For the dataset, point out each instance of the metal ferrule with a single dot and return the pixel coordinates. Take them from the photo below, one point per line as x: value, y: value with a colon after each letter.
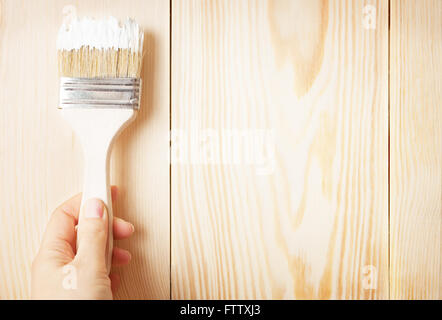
x: 108, y: 93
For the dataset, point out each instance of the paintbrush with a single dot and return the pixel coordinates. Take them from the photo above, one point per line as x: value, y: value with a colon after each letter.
x: 100, y: 88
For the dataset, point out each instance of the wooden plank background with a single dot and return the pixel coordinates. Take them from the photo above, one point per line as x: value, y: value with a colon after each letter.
x: 416, y: 149
x: 41, y: 160
x: 280, y: 114
x: 303, y: 215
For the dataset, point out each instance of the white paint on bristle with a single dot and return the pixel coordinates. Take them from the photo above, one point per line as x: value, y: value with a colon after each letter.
x: 101, y: 34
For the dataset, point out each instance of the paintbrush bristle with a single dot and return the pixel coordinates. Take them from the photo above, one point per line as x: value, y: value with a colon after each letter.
x: 89, y: 48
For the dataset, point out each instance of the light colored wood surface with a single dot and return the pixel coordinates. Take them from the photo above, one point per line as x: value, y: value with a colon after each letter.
x: 41, y: 160
x: 416, y: 149
x: 303, y: 81
x: 312, y: 75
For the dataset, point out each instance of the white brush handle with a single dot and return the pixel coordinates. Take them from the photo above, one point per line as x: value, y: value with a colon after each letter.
x: 97, y: 129
x: 96, y: 184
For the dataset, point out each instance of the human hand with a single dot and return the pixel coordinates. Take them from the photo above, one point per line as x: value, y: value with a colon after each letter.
x: 59, y: 271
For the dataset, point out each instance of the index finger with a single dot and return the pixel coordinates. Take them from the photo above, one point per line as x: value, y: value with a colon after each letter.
x: 60, y: 232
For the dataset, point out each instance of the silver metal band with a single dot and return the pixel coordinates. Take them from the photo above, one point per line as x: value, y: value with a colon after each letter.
x: 108, y: 93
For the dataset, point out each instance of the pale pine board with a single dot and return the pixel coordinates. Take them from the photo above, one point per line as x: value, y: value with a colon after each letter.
x: 416, y: 149
x: 41, y: 161
x: 315, y: 76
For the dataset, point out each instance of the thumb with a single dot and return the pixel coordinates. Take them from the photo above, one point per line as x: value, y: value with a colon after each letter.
x: 92, y: 234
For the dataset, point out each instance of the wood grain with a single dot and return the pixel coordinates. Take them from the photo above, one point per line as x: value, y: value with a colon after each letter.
x: 298, y: 208
x: 416, y: 149
x: 279, y: 148
x: 41, y: 160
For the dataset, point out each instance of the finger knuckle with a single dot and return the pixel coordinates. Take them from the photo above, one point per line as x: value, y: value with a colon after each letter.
x: 95, y: 227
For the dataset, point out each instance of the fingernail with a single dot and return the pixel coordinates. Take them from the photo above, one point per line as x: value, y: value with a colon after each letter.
x: 127, y: 254
x: 94, y: 208
x: 132, y: 226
